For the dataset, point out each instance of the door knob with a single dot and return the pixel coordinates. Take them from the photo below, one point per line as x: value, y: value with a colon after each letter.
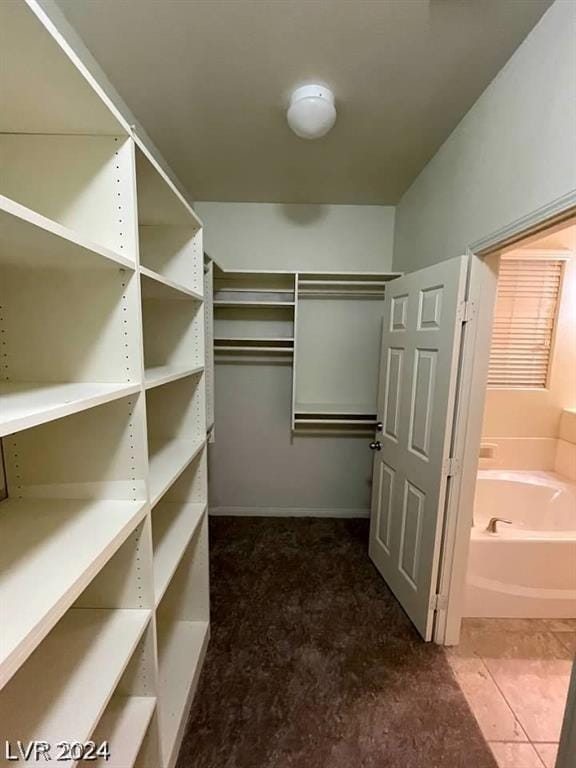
x: 379, y: 426
x: 376, y: 446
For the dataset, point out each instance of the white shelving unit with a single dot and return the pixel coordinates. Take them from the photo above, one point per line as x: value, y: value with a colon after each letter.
x: 104, y: 598
x: 36, y: 591
x: 327, y: 325
x: 123, y: 725
x: 209, y: 342
x: 58, y: 693
x: 337, y: 347
x: 254, y: 316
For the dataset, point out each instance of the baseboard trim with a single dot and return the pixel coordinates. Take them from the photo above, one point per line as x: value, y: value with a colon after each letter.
x: 286, y: 512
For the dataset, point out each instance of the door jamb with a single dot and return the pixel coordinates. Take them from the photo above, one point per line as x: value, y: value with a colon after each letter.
x: 467, y: 430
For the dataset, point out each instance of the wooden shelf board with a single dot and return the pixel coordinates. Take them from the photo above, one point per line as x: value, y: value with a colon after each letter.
x: 53, y: 549
x: 167, y: 462
x: 25, y: 405
x: 63, y: 689
x: 123, y: 725
x: 182, y: 646
x: 29, y: 239
x: 173, y: 526
x: 156, y: 285
x: 157, y: 375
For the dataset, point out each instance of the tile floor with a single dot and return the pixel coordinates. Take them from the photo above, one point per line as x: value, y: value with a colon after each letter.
x: 515, y: 674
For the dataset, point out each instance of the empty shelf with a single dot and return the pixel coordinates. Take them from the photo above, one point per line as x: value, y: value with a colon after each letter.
x: 359, y: 422
x: 29, y: 239
x: 254, y: 339
x: 173, y: 526
x: 26, y: 405
x: 52, y: 550
x: 163, y: 374
x: 255, y: 304
x: 365, y: 410
x: 123, y: 726
x: 64, y: 687
x: 157, y: 286
x: 167, y: 462
x: 254, y: 349
x: 235, y: 289
x: 181, y: 649
x: 325, y: 276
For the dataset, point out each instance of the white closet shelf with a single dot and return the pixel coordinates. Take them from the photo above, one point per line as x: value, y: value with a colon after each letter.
x: 366, y: 410
x: 64, y: 687
x: 249, y: 339
x: 234, y: 289
x: 53, y: 549
x: 124, y: 726
x: 336, y: 422
x: 160, y: 203
x: 255, y: 304
x: 340, y: 276
x: 156, y: 286
x: 167, y: 462
x: 255, y: 349
x: 25, y: 405
x: 344, y: 283
x: 182, y: 646
x: 30, y: 239
x: 242, y: 274
x: 157, y: 375
x: 173, y: 526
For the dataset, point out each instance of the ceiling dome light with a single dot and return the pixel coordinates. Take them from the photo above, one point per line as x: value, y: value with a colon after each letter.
x: 311, y: 113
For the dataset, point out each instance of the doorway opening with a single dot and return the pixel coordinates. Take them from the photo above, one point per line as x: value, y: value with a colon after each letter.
x: 518, y: 602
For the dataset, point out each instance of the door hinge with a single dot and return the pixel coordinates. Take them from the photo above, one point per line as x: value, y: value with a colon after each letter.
x: 451, y: 466
x: 438, y: 602
x: 466, y: 311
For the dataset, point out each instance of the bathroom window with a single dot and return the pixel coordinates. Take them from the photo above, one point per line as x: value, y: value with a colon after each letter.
x: 524, y: 322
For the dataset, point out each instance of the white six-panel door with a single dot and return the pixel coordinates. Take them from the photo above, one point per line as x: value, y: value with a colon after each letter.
x: 419, y: 361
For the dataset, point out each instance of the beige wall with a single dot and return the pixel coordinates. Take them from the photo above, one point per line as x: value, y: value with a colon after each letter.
x: 299, y: 237
x: 256, y: 464
x: 514, y: 152
x: 536, y: 412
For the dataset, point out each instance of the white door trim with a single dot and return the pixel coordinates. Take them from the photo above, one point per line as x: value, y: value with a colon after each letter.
x: 475, y: 357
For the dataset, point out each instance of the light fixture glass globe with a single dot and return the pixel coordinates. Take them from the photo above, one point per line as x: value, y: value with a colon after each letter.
x: 311, y: 113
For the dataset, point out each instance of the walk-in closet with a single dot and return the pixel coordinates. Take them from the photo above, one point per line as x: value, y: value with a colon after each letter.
x: 287, y: 386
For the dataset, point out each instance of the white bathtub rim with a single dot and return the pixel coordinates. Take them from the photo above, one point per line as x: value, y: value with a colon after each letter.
x: 517, y: 590
x: 510, y: 534
x: 529, y: 477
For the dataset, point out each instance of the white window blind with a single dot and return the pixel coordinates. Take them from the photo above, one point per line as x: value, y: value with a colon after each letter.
x: 524, y: 320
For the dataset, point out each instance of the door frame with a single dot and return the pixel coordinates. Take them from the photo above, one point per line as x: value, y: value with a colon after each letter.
x: 470, y: 398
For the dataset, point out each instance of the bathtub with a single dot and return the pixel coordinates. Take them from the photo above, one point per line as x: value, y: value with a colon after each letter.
x: 527, y: 569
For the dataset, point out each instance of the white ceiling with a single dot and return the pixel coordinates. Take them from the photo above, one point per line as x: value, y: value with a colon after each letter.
x: 209, y: 79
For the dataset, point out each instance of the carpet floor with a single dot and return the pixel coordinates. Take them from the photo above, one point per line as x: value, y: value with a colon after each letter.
x: 312, y: 662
